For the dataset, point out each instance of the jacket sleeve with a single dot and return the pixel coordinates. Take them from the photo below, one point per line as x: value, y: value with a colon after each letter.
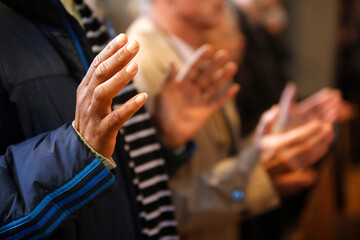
x: 176, y: 159
x: 44, y: 179
x: 233, y: 186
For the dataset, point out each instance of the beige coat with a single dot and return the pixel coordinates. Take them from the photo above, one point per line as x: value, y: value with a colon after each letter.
x: 202, y: 190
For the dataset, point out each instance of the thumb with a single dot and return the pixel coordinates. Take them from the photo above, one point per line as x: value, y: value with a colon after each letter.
x: 171, y: 73
x: 287, y: 100
x: 267, y: 122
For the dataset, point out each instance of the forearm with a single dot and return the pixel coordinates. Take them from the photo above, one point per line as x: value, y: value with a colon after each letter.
x: 176, y: 159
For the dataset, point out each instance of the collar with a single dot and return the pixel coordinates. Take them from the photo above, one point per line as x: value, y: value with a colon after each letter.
x: 183, y: 48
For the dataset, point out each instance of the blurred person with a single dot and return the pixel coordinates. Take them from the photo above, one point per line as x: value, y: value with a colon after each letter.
x: 263, y: 71
x: 116, y: 14
x: 264, y: 67
x: 48, y: 178
x: 220, y: 184
x: 348, y: 64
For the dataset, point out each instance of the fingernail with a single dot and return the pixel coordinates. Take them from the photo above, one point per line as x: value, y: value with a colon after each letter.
x: 132, y: 46
x: 132, y: 67
x: 120, y: 38
x: 140, y: 99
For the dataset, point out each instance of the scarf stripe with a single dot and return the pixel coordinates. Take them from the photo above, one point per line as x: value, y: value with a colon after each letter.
x: 141, y: 144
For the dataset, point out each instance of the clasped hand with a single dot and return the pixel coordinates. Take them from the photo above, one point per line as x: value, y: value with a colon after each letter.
x: 294, y: 136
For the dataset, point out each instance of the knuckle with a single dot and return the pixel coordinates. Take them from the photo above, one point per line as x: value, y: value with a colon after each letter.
x: 119, y: 57
x: 79, y: 90
x: 81, y: 94
x: 117, y: 117
x: 110, y: 47
x: 99, y: 93
x: 98, y: 59
x: 101, y: 70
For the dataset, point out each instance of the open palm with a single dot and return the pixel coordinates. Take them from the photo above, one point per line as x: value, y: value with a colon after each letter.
x: 189, y: 97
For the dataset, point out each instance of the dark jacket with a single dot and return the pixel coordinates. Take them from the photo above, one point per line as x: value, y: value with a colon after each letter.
x: 262, y: 74
x: 49, y: 181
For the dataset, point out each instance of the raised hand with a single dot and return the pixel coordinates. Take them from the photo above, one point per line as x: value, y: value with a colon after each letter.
x: 328, y: 105
x: 289, y: 154
x: 296, y: 148
x: 190, y: 97
x: 110, y: 71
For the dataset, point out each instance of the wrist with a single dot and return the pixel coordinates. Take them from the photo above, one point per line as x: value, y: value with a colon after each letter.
x: 108, y: 162
x: 171, y: 142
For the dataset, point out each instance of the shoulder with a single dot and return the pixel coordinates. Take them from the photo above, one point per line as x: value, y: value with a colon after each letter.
x: 25, y: 51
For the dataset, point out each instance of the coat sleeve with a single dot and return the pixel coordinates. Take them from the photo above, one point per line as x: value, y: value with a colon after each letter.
x: 175, y: 160
x: 44, y: 179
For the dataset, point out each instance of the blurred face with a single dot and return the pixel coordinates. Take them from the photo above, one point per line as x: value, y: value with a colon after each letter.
x: 201, y: 13
x: 227, y: 36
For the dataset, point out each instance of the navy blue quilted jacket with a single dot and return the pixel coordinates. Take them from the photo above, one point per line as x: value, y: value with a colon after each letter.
x: 51, y: 185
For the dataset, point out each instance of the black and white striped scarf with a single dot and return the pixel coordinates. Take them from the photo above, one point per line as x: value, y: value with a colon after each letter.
x: 143, y: 148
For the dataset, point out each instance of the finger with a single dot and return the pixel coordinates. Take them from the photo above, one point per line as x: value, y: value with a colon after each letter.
x: 332, y: 115
x: 301, y: 177
x: 192, y: 68
x: 171, y: 73
x: 293, y: 182
x: 332, y: 100
x: 267, y: 121
x: 107, y: 52
x: 106, y: 91
x: 114, y: 64
x: 308, y: 152
x: 316, y: 102
x: 116, y: 119
x: 346, y: 112
x: 228, y: 72
x: 208, y: 76
x: 222, y: 100
x: 287, y: 99
x: 327, y: 110
x: 300, y: 134
x: 321, y: 145
x: 286, y: 146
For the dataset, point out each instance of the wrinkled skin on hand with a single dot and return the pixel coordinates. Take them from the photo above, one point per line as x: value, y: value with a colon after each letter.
x: 110, y: 71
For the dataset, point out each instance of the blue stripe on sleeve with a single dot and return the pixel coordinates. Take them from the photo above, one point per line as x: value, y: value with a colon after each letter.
x: 73, y: 209
x: 75, y: 195
x: 89, y: 168
x: 61, y: 205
